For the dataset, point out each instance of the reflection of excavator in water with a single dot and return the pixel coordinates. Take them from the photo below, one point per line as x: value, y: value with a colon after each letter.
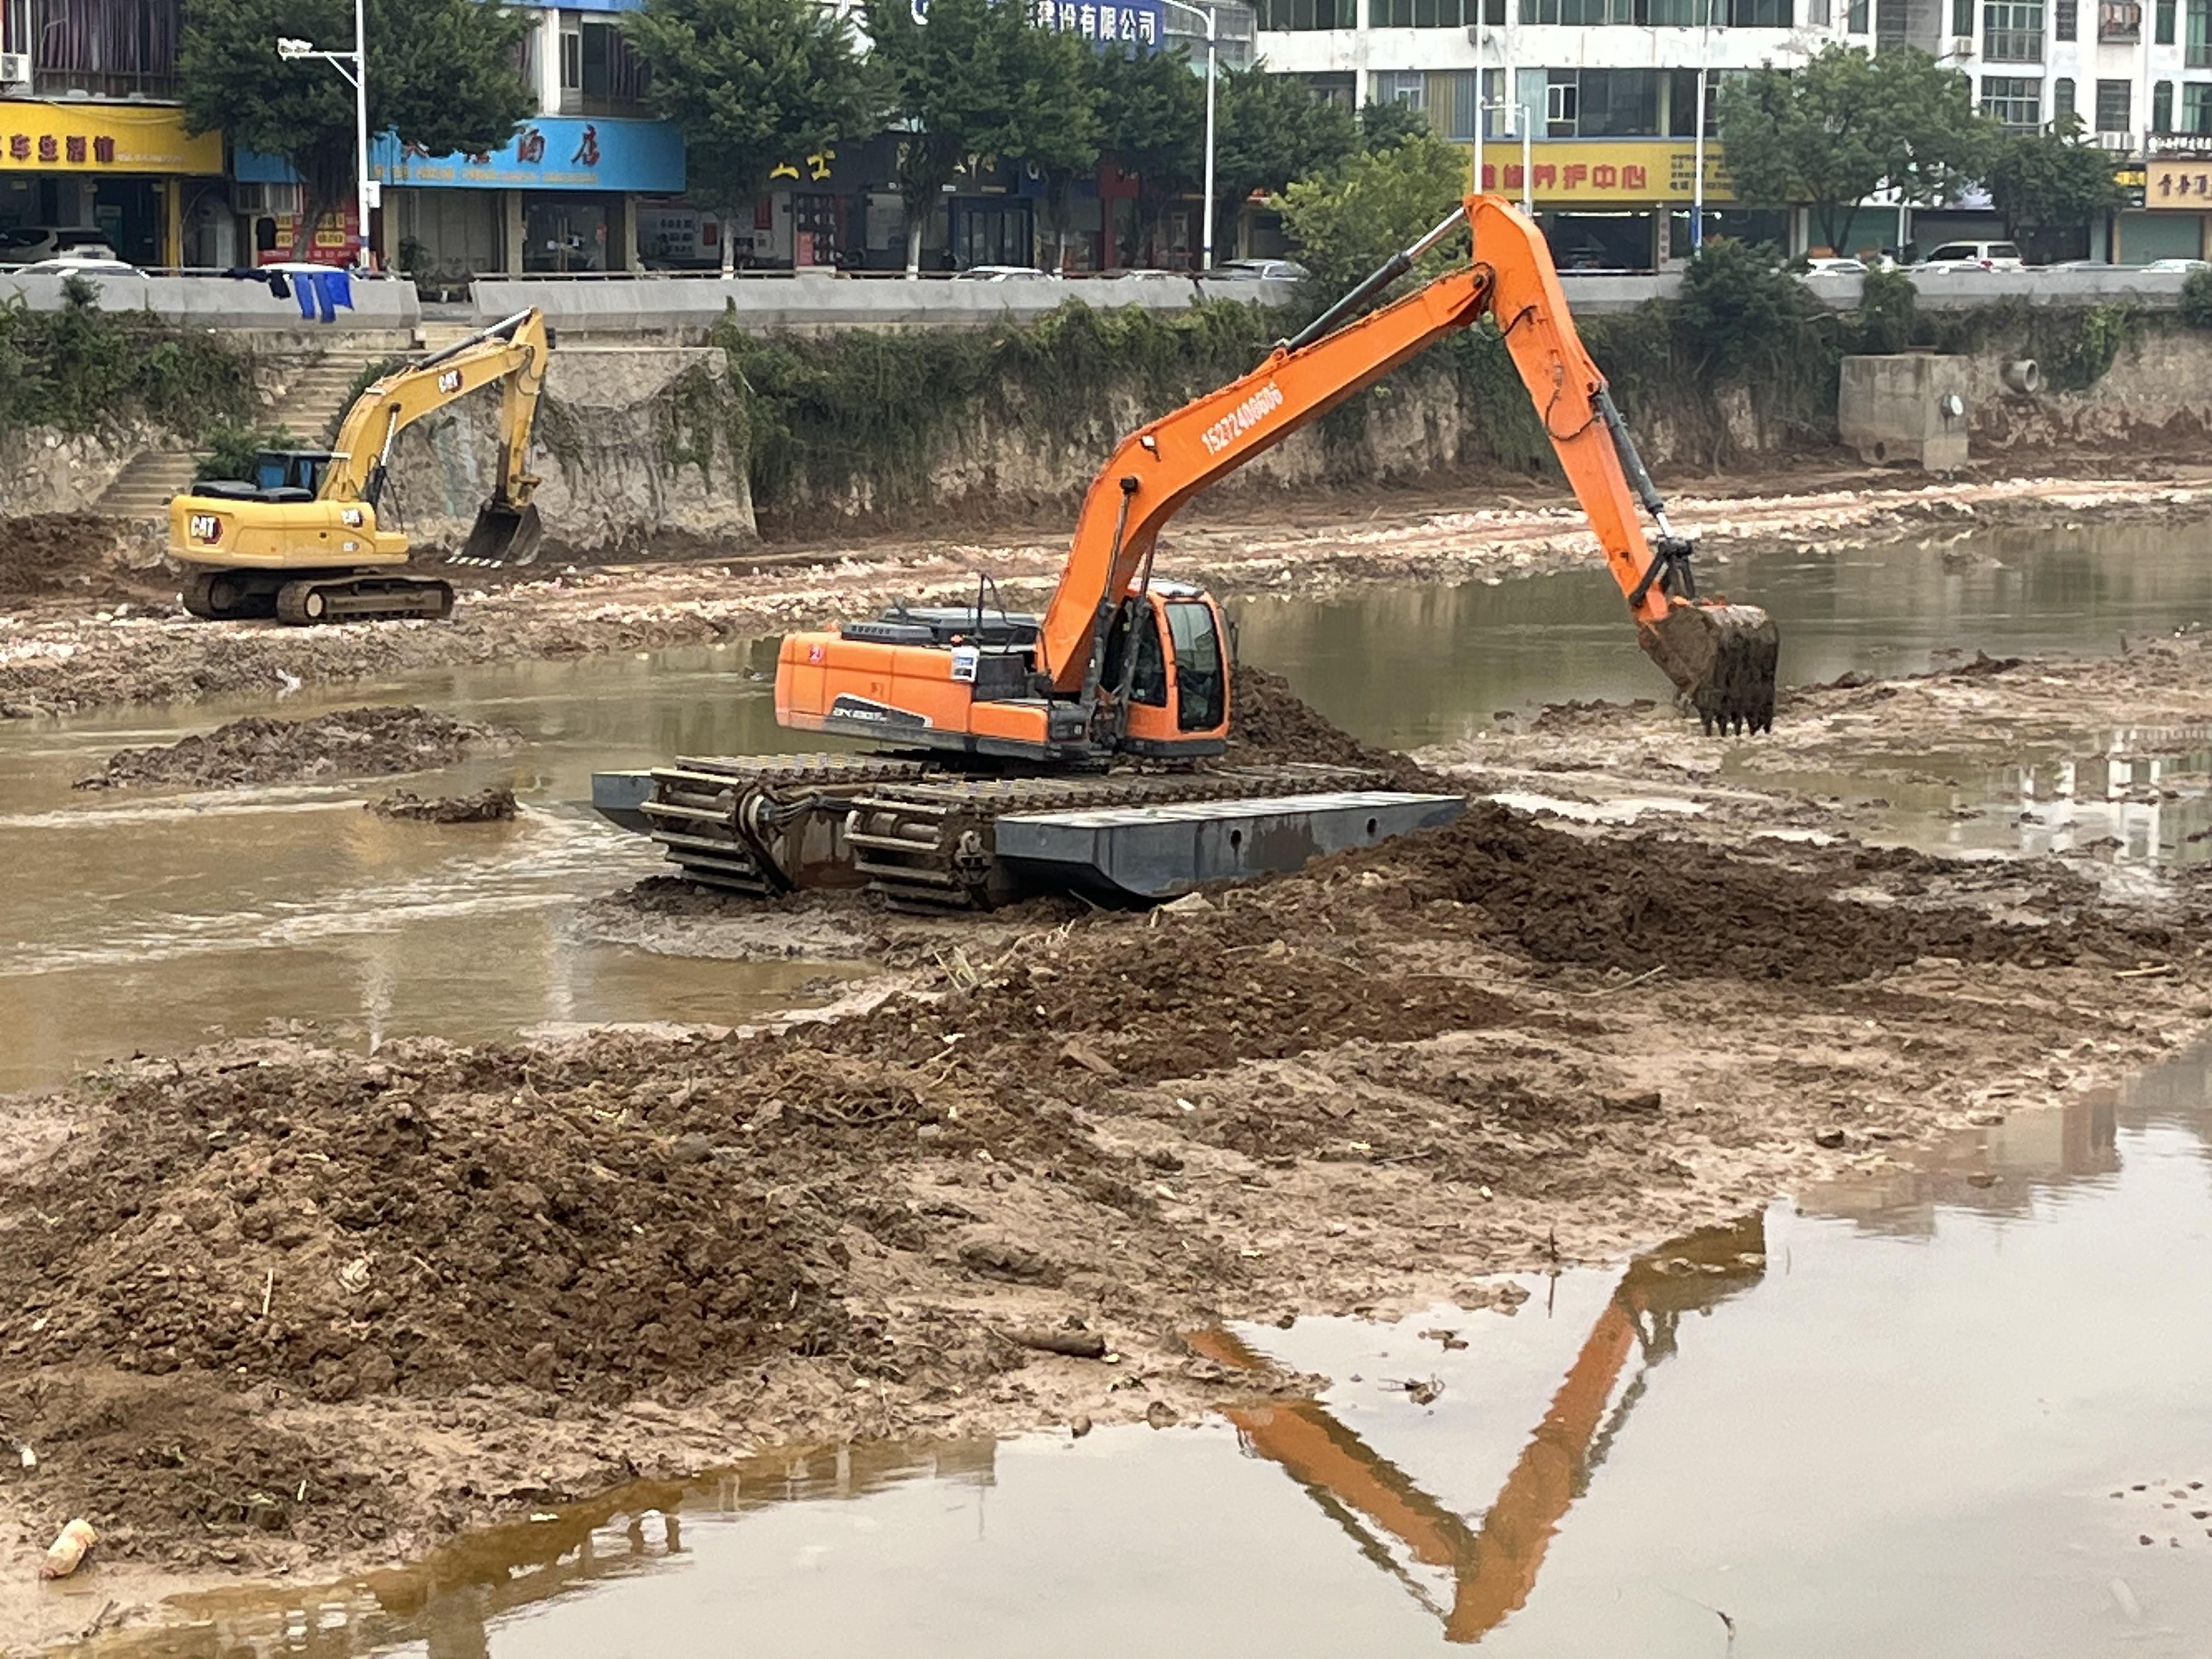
x: 1118, y: 696
x: 301, y: 541
x: 1493, y: 1565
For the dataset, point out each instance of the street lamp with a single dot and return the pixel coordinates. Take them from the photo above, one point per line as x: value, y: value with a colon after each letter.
x: 1206, y: 244
x: 292, y: 52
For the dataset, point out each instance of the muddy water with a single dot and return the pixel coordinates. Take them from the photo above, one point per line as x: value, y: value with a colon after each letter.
x: 154, y: 919
x: 1408, y: 667
x: 1961, y: 1408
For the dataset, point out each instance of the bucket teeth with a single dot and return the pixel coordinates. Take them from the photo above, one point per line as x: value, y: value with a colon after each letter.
x: 1721, y: 658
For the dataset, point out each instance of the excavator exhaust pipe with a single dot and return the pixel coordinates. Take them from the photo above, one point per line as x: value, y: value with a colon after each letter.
x: 502, y: 535
x: 1721, y: 658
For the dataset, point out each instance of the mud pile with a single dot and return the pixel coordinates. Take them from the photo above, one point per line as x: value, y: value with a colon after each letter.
x: 454, y: 1219
x: 55, y: 553
x: 1645, y: 902
x: 494, y: 805
x: 350, y: 743
x: 1270, y: 724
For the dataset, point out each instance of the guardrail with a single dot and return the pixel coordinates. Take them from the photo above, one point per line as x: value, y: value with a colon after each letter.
x: 211, y: 299
x: 686, y: 306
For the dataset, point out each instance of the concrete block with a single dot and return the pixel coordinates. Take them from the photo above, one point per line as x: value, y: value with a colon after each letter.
x: 213, y: 302
x: 1909, y: 408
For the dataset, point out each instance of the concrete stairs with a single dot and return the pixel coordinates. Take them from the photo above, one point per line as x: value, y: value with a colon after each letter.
x: 142, y: 488
x: 307, y: 410
x: 309, y: 407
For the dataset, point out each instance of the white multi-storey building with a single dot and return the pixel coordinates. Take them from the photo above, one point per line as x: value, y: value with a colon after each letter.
x: 1603, y: 95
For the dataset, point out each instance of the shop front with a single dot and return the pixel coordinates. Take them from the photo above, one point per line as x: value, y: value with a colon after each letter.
x: 2176, y: 213
x: 559, y: 197
x: 129, y: 172
x: 1622, y: 203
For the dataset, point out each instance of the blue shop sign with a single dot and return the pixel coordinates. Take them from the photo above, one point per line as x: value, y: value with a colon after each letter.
x: 552, y: 152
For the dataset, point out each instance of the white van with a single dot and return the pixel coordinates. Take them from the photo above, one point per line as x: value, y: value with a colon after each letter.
x: 1975, y: 256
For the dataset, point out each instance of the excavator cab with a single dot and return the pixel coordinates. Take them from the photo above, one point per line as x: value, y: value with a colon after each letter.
x: 1167, y: 662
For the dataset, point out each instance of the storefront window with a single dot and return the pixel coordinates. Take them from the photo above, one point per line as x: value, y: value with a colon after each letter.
x: 565, y: 233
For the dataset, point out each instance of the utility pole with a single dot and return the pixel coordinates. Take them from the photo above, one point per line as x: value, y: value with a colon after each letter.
x: 292, y: 50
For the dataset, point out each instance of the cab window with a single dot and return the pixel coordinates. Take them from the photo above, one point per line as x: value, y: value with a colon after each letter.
x: 1200, y: 683
x: 1148, y: 683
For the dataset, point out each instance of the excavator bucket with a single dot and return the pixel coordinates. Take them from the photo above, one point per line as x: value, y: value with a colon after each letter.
x: 501, y: 535
x: 1720, y: 657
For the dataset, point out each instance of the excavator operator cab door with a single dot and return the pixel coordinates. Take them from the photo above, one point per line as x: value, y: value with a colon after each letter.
x: 1179, y: 682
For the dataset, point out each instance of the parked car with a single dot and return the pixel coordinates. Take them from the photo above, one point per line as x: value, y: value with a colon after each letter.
x: 87, y: 261
x: 1001, y: 274
x: 1975, y: 256
x: 1829, y: 264
x: 1258, y: 271
x: 2176, y: 267
x: 21, y: 244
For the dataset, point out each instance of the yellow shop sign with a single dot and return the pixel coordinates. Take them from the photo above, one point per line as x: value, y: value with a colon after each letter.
x: 88, y: 137
x: 1571, y: 172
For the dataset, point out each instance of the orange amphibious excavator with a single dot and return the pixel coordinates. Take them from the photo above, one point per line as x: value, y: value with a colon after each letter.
x: 1116, y: 698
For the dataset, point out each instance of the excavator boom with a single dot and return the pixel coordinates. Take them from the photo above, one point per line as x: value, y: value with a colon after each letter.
x: 1721, y: 657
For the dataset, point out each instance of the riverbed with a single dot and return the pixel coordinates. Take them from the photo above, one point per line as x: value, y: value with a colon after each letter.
x: 151, y: 921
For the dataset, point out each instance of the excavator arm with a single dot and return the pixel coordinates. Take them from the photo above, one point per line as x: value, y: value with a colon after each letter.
x: 1721, y: 657
x: 511, y: 354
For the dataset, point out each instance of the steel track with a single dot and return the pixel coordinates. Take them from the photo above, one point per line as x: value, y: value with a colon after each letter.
x: 918, y: 834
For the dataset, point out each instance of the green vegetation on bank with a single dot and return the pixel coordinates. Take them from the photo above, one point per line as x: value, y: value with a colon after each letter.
x: 872, y: 422
x: 80, y: 369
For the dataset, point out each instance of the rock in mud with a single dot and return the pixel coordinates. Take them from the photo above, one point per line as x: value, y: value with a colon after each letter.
x: 492, y: 806
x: 350, y: 743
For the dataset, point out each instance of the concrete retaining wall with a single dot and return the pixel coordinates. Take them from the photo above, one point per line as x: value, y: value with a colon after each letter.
x: 685, y: 308
x: 622, y: 467
x: 42, y: 471
x: 215, y: 301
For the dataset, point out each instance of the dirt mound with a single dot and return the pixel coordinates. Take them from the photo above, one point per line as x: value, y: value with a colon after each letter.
x: 1648, y: 901
x: 350, y: 743
x: 491, y: 805
x: 378, y: 1230
x: 1271, y: 724
x: 69, y: 553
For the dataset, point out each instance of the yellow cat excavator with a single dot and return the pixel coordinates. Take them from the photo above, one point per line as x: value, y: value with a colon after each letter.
x: 1001, y: 738
x: 301, y: 541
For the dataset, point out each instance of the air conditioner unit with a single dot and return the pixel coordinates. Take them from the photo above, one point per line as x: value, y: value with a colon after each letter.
x: 1962, y: 45
x: 14, y: 69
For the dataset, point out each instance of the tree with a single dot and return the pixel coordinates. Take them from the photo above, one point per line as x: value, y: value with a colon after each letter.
x: 1061, y: 66
x: 1737, y: 303
x: 1383, y: 126
x: 441, y: 75
x: 1847, y: 126
x: 977, y: 79
x: 750, y: 84
x: 1151, y: 120
x: 1270, y: 129
x: 1348, y: 221
x: 2047, y: 186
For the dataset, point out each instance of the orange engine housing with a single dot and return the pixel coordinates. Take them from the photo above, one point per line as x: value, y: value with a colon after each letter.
x: 970, y: 681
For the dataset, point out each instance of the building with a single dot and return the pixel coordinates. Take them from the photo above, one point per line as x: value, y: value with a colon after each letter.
x: 2136, y: 75
x: 561, y: 196
x: 91, y: 140
x: 1603, y: 92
